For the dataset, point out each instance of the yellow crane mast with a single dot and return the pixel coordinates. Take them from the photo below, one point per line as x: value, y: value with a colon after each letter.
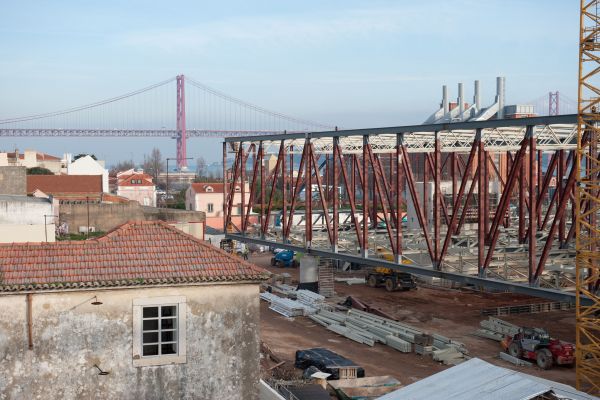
x: 587, y: 203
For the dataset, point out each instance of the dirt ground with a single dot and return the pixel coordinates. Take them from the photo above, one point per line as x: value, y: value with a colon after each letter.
x: 453, y: 313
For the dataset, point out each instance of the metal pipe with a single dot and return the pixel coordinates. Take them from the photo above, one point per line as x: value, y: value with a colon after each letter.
x: 29, y: 321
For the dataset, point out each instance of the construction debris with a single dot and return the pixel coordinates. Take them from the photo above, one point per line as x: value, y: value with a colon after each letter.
x: 354, y: 302
x: 496, y: 329
x: 351, y: 280
x: 287, y: 307
x: 528, y: 308
x: 448, y: 356
x: 514, y: 360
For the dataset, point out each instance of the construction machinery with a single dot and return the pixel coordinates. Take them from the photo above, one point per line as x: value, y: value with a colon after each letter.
x: 284, y: 258
x: 536, y: 344
x: 391, y: 279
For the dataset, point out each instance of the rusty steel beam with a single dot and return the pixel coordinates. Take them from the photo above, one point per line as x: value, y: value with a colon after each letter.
x: 505, y: 199
x: 481, y: 189
x: 308, y: 196
x: 273, y: 186
x: 415, y: 198
x: 321, y: 194
x: 351, y: 198
x: 437, y: 203
x: 376, y: 177
x: 532, y: 210
x: 459, y: 196
x: 296, y: 194
x: 399, y: 189
x: 364, y: 246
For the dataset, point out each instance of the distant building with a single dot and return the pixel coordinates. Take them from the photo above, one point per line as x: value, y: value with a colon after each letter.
x: 138, y: 186
x: 208, y: 197
x: 178, y: 180
x: 13, y: 180
x: 26, y: 219
x: 67, y: 187
x: 31, y: 159
x: 86, y: 165
x: 145, y: 312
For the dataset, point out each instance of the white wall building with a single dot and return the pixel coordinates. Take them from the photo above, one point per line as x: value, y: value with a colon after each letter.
x: 22, y: 219
x: 87, y: 166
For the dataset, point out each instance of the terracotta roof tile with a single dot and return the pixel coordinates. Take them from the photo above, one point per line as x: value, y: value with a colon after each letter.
x: 56, y: 184
x: 202, y: 186
x: 136, y: 253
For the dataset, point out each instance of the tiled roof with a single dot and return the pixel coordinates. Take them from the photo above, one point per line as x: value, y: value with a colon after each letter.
x: 56, y: 184
x: 126, y: 180
x: 39, y: 156
x: 201, y: 187
x: 134, y: 254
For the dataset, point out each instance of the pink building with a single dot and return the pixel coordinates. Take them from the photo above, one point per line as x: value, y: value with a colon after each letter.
x: 208, y: 197
x: 138, y: 186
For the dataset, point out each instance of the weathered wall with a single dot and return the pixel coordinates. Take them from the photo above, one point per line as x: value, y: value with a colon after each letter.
x: 70, y: 335
x: 22, y: 219
x: 107, y: 216
x: 13, y: 180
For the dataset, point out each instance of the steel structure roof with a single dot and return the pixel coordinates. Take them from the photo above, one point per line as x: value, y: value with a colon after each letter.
x: 555, y: 132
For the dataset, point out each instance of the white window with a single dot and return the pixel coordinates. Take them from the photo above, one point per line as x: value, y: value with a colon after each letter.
x: 159, y: 333
x: 210, y: 207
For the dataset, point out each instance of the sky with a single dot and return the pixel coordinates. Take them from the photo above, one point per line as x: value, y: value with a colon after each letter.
x: 345, y: 63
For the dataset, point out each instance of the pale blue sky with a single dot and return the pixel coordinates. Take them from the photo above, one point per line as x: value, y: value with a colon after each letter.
x: 346, y: 63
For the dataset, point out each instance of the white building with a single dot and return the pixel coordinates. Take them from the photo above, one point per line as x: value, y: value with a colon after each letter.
x: 87, y: 166
x: 31, y: 159
x: 26, y: 219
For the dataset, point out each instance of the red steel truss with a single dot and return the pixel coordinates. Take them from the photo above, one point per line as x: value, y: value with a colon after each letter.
x: 503, y: 186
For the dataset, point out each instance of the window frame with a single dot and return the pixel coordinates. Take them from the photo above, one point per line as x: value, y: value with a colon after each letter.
x: 138, y: 305
x: 210, y: 207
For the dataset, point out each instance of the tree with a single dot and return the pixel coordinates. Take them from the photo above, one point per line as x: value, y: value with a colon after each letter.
x: 39, y: 171
x: 121, y: 166
x: 154, y: 163
x: 78, y: 156
x: 200, y: 166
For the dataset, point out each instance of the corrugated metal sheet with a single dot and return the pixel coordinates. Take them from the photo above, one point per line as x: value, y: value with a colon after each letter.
x: 478, y: 380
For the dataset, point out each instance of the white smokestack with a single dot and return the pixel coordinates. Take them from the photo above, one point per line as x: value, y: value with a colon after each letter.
x: 445, y: 99
x: 500, y: 96
x: 460, y: 100
x: 476, y: 97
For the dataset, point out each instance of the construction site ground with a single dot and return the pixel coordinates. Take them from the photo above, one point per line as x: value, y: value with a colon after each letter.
x: 450, y: 312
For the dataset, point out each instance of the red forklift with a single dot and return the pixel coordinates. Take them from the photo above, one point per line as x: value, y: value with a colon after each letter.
x: 537, y: 345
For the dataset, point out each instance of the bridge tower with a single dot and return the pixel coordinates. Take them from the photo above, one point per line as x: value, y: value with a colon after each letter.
x: 553, y: 102
x: 181, y: 133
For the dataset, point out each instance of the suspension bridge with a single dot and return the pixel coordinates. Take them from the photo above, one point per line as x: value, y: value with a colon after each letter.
x: 200, y: 111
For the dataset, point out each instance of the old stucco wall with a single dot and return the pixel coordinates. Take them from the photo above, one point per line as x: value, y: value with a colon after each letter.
x: 107, y: 216
x: 12, y: 180
x: 70, y: 335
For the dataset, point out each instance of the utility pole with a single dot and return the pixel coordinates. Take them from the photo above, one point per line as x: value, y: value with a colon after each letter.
x: 46, y: 224
x: 87, y: 228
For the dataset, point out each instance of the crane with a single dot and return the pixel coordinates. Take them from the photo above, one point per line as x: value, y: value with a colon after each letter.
x: 587, y: 203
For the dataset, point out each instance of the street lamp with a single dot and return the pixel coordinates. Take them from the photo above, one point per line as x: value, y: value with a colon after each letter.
x: 170, y: 159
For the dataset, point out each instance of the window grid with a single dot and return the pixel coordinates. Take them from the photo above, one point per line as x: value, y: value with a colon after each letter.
x: 159, y: 338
